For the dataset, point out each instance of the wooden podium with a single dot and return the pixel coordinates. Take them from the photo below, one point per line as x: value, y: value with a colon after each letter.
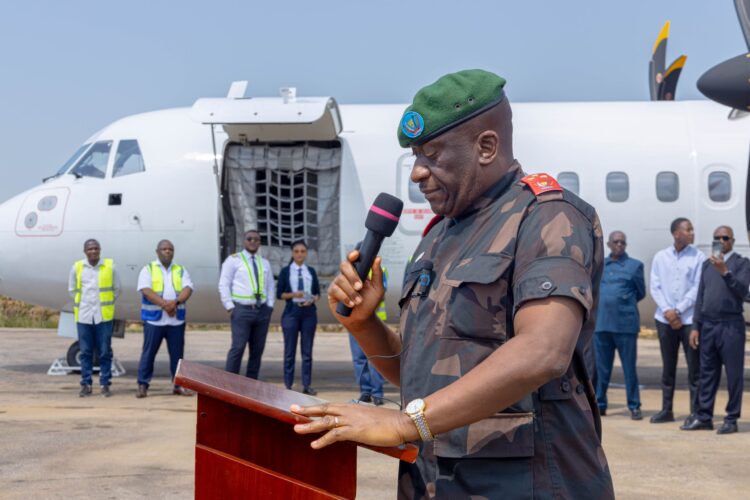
x: 246, y: 446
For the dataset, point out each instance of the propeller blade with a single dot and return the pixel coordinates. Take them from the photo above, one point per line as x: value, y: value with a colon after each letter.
x: 658, y: 62
x: 671, y: 76
x: 743, y: 14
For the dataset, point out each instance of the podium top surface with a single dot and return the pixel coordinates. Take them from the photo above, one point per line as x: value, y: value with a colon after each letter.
x: 262, y: 398
x: 254, y: 395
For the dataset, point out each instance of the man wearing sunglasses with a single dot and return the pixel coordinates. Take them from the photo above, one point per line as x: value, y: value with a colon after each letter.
x: 719, y: 332
x: 247, y: 291
x: 618, y: 322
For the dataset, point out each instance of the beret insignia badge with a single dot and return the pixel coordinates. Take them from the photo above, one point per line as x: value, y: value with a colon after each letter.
x: 412, y: 124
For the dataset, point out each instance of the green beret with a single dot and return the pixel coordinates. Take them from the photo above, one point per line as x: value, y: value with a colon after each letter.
x: 447, y: 103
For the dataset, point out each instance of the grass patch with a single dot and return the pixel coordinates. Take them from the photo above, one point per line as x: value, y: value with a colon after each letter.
x: 17, y: 314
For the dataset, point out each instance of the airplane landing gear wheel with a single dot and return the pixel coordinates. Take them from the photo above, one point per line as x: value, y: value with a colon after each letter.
x: 74, y: 355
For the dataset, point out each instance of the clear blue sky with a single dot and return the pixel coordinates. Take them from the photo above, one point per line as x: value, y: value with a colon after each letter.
x: 71, y: 67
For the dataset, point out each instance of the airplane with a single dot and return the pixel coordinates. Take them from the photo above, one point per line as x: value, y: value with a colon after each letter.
x: 306, y: 167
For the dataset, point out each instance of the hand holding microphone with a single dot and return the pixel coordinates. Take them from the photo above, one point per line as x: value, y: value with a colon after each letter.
x: 351, y: 289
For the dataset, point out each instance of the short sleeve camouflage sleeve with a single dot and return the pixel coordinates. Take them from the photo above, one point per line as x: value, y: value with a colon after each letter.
x: 554, y: 255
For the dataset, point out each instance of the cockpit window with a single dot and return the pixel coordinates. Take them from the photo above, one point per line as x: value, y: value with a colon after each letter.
x: 72, y: 159
x: 94, y: 162
x: 129, y: 159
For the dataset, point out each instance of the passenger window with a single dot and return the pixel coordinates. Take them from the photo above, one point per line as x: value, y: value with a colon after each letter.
x: 667, y: 186
x: 94, y: 162
x: 719, y: 186
x: 128, y: 159
x: 569, y: 180
x: 618, y: 187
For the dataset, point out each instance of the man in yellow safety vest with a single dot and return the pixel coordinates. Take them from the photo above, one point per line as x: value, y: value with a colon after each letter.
x: 165, y: 286
x: 94, y: 284
x: 247, y: 291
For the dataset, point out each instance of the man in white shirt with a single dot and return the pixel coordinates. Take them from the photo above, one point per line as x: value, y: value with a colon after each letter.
x: 247, y: 291
x: 675, y: 276
x: 94, y: 284
x: 165, y: 286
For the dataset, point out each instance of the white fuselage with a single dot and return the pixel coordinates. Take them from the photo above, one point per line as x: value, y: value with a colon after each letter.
x: 179, y: 194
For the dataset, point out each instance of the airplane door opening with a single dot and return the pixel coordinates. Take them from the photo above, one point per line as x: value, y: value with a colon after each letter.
x: 288, y: 192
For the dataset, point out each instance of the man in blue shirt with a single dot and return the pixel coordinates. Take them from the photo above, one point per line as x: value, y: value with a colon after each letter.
x: 675, y: 276
x: 618, y: 322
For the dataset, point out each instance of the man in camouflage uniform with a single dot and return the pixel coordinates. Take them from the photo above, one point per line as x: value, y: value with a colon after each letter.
x: 497, y: 308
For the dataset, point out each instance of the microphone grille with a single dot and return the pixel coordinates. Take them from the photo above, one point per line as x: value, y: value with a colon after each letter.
x: 384, y: 214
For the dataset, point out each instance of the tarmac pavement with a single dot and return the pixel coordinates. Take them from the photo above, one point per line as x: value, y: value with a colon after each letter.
x: 54, y: 444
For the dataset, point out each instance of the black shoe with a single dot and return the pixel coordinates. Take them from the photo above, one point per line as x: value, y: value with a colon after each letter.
x: 697, y: 425
x: 603, y: 412
x: 142, y: 391
x: 181, y: 391
x: 85, y: 391
x: 365, y: 398
x: 636, y: 414
x: 728, y: 428
x: 309, y: 391
x: 377, y: 401
x: 662, y: 417
x: 105, y: 391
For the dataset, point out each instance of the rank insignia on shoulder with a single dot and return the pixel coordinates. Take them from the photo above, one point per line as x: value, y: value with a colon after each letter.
x: 541, y: 183
x: 433, y: 222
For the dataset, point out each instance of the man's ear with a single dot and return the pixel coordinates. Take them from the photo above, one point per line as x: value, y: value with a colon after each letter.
x: 488, y: 144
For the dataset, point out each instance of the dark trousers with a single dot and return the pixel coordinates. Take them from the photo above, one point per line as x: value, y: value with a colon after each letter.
x: 721, y: 342
x: 605, y: 344
x: 295, y: 321
x: 669, y: 342
x: 249, y: 327
x: 90, y: 335
x: 152, y: 337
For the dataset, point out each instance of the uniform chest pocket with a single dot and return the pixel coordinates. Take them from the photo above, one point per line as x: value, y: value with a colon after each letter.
x: 478, y: 302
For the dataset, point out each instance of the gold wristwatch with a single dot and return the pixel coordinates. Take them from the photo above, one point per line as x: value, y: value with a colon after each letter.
x: 415, y: 410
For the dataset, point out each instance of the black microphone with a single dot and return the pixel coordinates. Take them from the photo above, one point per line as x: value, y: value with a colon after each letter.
x: 425, y: 278
x: 381, y: 221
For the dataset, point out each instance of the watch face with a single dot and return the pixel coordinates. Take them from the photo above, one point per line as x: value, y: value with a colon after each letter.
x: 415, y: 406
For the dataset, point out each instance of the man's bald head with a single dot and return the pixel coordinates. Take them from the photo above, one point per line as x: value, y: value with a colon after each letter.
x: 498, y: 120
x: 726, y: 229
x: 617, y: 243
x: 165, y: 252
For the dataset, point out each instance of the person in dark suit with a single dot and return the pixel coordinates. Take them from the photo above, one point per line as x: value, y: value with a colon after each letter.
x: 719, y: 332
x: 618, y: 322
x: 298, y: 285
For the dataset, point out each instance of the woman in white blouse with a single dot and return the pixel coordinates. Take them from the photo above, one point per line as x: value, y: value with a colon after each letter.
x: 298, y: 285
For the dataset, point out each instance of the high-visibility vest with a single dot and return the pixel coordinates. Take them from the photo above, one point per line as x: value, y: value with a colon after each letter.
x: 106, y: 289
x: 152, y: 312
x: 381, y: 312
x: 258, y: 287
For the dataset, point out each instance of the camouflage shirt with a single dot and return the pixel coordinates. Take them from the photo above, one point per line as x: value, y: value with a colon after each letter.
x: 508, y: 248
